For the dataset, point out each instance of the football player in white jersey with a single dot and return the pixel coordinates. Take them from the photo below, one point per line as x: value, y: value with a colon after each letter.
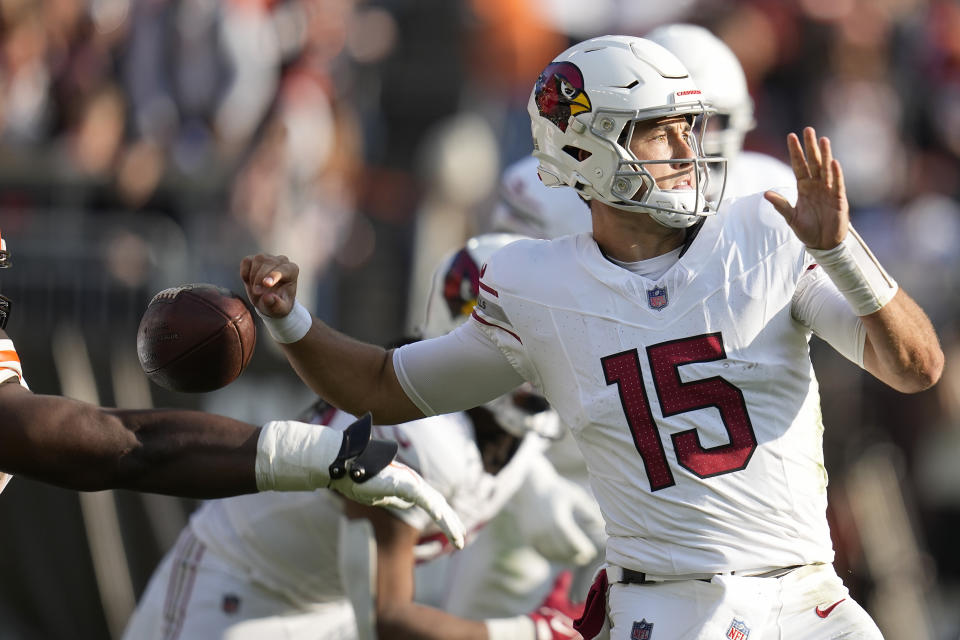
x: 673, y: 341
x: 279, y: 566
x: 505, y: 572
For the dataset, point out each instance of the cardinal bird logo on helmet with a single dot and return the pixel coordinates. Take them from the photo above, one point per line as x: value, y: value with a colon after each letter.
x: 559, y: 93
x: 461, y: 285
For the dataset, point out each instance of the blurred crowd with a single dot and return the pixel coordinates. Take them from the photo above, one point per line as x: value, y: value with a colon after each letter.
x: 365, y: 138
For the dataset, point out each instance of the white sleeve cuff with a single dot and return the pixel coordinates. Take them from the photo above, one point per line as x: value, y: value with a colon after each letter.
x: 857, y: 273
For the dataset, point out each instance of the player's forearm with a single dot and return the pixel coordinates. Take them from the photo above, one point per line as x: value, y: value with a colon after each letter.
x: 902, y: 348
x: 187, y: 453
x: 354, y: 376
x: 79, y: 446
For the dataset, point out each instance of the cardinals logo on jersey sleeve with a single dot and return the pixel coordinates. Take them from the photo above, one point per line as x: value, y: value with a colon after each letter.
x: 559, y: 93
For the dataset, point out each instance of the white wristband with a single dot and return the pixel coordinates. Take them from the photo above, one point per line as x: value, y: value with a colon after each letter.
x: 291, y: 327
x: 857, y: 274
x: 516, y: 628
x: 295, y: 456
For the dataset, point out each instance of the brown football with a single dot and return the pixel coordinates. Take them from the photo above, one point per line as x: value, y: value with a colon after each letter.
x: 195, y: 338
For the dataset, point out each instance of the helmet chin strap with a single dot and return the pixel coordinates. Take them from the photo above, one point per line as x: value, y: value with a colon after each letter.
x: 674, y: 215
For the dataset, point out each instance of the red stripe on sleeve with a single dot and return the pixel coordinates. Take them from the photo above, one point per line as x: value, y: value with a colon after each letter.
x: 492, y: 292
x: 496, y: 326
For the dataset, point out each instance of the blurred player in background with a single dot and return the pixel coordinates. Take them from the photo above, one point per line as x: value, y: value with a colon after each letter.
x: 673, y: 341
x: 526, y: 207
x: 285, y: 566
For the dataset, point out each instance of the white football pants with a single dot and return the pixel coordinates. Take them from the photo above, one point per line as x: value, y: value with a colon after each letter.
x: 196, y: 595
x: 809, y: 603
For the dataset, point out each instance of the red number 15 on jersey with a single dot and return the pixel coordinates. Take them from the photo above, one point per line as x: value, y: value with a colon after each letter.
x: 675, y: 396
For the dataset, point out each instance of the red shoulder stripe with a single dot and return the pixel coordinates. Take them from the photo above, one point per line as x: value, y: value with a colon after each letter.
x: 489, y: 290
x: 496, y: 326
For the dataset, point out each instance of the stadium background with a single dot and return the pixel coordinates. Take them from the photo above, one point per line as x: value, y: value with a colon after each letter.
x: 149, y: 143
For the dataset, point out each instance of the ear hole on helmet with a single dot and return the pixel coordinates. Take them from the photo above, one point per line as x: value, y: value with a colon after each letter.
x: 577, y: 153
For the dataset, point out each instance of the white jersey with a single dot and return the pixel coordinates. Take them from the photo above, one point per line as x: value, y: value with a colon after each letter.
x: 287, y: 541
x: 692, y: 397
x: 751, y: 172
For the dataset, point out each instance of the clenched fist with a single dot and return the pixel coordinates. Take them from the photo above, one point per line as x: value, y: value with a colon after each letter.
x: 271, y: 283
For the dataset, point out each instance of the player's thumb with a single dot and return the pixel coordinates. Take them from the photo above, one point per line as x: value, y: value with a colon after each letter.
x: 781, y: 204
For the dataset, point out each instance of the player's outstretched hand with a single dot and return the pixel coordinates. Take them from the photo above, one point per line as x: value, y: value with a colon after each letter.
x: 401, y: 487
x: 822, y: 214
x: 271, y: 283
x: 554, y: 618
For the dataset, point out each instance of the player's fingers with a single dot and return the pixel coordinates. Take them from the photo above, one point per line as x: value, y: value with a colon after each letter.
x: 797, y: 160
x: 449, y: 522
x: 400, y: 482
x: 245, y: 265
x: 814, y: 161
x: 839, y: 187
x: 276, y: 272
x: 430, y: 500
x: 826, y: 154
x: 391, y: 502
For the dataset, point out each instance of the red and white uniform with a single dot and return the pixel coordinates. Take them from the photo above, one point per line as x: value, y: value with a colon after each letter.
x: 506, y: 575
x: 691, y: 395
x: 273, y: 557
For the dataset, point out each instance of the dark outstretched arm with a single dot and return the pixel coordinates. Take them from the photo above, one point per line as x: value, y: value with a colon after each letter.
x: 75, y: 445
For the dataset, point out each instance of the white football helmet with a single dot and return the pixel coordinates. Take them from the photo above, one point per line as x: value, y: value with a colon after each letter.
x: 456, y: 285
x: 583, y: 111
x: 717, y: 72
x: 529, y: 207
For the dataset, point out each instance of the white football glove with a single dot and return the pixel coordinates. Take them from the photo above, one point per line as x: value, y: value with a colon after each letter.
x: 400, y: 487
x: 556, y: 516
x: 296, y: 456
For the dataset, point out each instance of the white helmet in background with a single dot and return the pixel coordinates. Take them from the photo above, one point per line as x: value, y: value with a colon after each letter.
x: 453, y: 293
x: 529, y: 207
x: 583, y: 110
x: 456, y: 283
x: 718, y: 73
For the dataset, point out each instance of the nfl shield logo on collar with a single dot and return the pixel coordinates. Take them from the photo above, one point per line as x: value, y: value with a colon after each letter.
x: 738, y: 630
x: 642, y: 630
x: 657, y: 298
